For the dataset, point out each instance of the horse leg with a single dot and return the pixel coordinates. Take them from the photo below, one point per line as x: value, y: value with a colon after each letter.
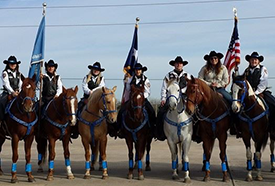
x: 148, y: 148
x: 103, y: 145
x: 86, y: 146
x: 41, y: 148
x: 272, y: 159
x: 2, y: 140
x: 131, y: 157
x: 65, y: 143
x: 28, y: 144
x: 248, y: 157
x: 185, y: 149
x: 174, y: 156
x: 140, y: 148
x: 94, y: 149
x: 51, y: 158
x: 14, y: 141
x: 207, y: 147
x: 222, y: 144
x: 258, y: 156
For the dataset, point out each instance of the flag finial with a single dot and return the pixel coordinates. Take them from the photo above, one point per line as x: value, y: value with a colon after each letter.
x: 44, y: 8
x: 235, y: 11
x: 137, y: 20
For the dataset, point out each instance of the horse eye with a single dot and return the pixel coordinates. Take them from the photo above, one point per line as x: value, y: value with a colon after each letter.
x: 108, y: 102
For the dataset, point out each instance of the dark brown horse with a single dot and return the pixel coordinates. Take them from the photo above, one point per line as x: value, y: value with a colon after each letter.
x: 253, y: 114
x: 213, y: 114
x: 19, y: 125
x: 136, y: 130
x: 58, y: 117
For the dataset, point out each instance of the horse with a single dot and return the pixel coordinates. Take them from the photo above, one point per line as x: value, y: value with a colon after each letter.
x: 253, y: 114
x: 58, y: 117
x: 92, y: 126
x: 19, y: 123
x: 178, y: 128
x: 135, y: 126
x: 213, y: 114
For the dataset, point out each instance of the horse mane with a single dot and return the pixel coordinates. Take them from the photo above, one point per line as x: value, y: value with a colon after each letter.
x: 208, y: 91
x: 171, y: 81
x: 96, y: 93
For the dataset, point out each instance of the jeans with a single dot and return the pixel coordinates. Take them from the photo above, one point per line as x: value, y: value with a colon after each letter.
x: 225, y: 95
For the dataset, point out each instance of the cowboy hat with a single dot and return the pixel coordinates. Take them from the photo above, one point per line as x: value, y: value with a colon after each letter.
x: 11, y: 60
x: 254, y: 55
x: 207, y: 57
x: 96, y: 66
x: 138, y: 66
x: 51, y: 63
x: 178, y: 60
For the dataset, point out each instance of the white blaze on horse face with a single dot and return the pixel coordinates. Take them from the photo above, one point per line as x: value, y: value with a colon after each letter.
x: 138, y: 96
x: 28, y: 86
x: 73, y: 122
x: 236, y: 105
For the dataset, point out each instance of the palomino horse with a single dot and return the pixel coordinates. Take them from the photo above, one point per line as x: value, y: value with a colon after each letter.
x: 92, y: 126
x: 18, y: 124
x: 253, y: 114
x: 178, y: 128
x: 137, y: 130
x: 58, y: 117
x: 213, y: 114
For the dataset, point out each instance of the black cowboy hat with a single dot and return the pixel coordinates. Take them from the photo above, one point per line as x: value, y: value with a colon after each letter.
x: 96, y: 66
x: 254, y: 55
x: 211, y: 54
x: 11, y: 60
x: 138, y: 66
x: 51, y: 63
x: 178, y: 60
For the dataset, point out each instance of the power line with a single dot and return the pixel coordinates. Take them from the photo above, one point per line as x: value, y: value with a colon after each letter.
x: 123, y: 5
x: 144, y: 23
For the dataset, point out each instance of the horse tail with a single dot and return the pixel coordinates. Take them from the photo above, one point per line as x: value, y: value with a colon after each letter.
x: 265, y: 139
x: 41, y: 148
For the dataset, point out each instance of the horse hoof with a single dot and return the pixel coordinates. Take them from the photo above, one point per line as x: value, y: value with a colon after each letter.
x: 187, y: 180
x: 1, y: 172
x: 175, y: 177
x: 49, y: 178
x: 100, y: 169
x: 31, y: 179
x: 87, y: 177
x: 105, y: 176
x: 249, y: 179
x: 271, y: 170
x: 92, y: 168
x: 70, y: 177
x: 226, y: 179
x: 130, y: 176
x: 40, y: 170
x: 148, y: 168
x: 140, y: 177
x: 206, y: 179
x: 14, y: 180
x: 259, y: 178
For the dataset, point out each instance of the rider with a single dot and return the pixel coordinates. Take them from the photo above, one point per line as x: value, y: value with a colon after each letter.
x: 257, y: 76
x: 92, y: 81
x: 11, y: 79
x: 138, y: 79
x: 177, y: 73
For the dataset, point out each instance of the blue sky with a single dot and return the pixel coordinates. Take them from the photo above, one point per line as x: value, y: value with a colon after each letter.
x: 74, y: 48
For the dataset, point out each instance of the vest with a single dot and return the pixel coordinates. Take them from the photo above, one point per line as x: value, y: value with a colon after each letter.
x: 254, y: 78
x: 142, y: 81
x: 49, y: 87
x: 92, y: 85
x: 14, y: 81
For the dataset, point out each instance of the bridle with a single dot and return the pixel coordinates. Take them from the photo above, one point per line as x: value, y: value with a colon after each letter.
x: 241, y: 100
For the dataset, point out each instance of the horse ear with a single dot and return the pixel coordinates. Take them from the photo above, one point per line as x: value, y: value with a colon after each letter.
x: 76, y: 89
x: 64, y: 89
x: 192, y: 79
x: 114, y: 88
x: 34, y: 77
x: 22, y: 77
x: 103, y: 89
x: 133, y: 87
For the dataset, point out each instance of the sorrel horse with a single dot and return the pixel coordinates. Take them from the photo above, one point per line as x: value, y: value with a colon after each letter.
x: 19, y: 125
x: 213, y: 114
x: 137, y: 130
x: 253, y: 115
x: 58, y: 117
x: 92, y: 126
x: 178, y: 128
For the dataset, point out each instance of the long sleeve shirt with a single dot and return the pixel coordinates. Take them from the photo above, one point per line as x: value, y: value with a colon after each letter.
x: 6, y: 82
x: 85, y: 87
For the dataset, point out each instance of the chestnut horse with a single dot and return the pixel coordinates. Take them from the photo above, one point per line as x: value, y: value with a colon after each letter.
x: 253, y: 114
x: 19, y: 125
x: 213, y: 114
x: 137, y: 130
x: 92, y: 126
x: 58, y: 117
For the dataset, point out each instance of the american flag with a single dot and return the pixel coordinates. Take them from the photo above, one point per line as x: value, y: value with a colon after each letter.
x: 233, y: 55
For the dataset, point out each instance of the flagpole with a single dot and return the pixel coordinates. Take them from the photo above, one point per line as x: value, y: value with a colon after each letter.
x: 236, y: 69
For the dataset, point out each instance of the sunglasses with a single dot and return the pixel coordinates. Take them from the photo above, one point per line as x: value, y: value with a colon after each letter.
x: 212, y: 58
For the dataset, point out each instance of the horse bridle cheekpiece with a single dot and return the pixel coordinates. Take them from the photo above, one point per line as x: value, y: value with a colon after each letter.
x: 241, y: 100
x: 106, y: 111
x: 138, y: 106
x: 64, y: 101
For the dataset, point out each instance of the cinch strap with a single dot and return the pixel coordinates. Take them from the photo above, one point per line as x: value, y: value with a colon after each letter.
x: 174, y: 165
x: 104, y: 164
x: 258, y: 164
x: 185, y: 166
x: 39, y: 157
x: 224, y: 167
x: 51, y: 164
x: 87, y: 165
x: 13, y: 167
x: 272, y: 158
x: 67, y: 162
x: 147, y: 157
x: 28, y: 167
x: 207, y: 166
x: 249, y: 165
x: 139, y: 164
x: 131, y: 164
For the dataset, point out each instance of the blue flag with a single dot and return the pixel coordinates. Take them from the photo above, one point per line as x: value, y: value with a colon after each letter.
x: 38, y: 51
x: 133, y: 54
